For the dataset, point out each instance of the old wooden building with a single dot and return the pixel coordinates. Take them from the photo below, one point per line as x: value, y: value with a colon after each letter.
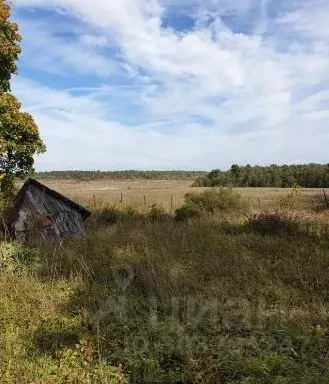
x: 43, y: 213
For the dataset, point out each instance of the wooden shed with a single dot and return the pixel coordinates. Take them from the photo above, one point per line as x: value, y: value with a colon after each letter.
x: 46, y: 214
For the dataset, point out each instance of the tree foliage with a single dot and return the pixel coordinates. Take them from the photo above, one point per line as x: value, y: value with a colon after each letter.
x: 19, y: 135
x: 284, y: 176
x: 121, y: 175
x: 9, y: 46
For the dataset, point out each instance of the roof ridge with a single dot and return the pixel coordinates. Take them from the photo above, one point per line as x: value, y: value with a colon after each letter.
x: 18, y: 199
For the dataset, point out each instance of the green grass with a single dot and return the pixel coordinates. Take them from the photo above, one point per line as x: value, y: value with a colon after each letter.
x: 146, y: 299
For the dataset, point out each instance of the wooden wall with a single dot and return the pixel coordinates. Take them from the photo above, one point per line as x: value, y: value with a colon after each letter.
x: 47, y: 217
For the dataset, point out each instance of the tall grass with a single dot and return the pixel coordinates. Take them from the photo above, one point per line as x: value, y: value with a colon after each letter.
x: 146, y: 299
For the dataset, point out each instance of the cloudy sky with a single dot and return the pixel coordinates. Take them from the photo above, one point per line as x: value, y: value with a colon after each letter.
x: 176, y: 84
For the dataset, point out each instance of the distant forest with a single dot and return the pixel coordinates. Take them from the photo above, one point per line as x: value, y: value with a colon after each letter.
x: 283, y: 176
x: 117, y: 175
x: 279, y: 176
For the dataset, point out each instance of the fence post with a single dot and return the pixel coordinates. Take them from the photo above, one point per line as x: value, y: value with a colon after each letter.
x: 171, y: 203
x: 145, y: 202
x: 121, y: 199
x: 325, y: 198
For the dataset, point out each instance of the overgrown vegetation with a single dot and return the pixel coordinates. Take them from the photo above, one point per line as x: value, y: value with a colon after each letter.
x: 211, y: 202
x: 14, y: 257
x: 284, y: 176
x: 143, y: 298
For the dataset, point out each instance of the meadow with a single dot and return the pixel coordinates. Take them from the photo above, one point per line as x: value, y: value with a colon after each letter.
x: 232, y: 290
x: 142, y: 194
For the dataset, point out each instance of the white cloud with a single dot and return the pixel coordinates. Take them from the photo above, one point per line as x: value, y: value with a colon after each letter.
x: 309, y: 20
x: 221, y: 97
x: 221, y: 7
x: 47, y: 50
x: 93, y: 41
x: 86, y: 140
x: 41, y: 98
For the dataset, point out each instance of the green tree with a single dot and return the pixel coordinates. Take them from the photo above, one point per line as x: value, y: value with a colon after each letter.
x: 286, y: 176
x: 19, y: 134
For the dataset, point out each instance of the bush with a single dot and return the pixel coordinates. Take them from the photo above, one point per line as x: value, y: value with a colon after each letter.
x: 202, y: 182
x: 218, y: 200
x: 187, y: 212
x: 273, y: 224
x: 14, y: 257
x: 157, y: 213
x: 210, y: 202
x: 112, y: 214
x: 293, y: 201
x: 109, y: 215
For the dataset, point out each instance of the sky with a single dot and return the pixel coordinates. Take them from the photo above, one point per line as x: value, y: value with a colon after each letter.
x: 175, y: 84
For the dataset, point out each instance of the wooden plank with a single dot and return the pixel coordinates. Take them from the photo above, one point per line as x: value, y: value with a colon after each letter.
x: 65, y: 220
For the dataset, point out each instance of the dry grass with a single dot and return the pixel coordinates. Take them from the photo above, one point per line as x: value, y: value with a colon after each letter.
x: 141, y: 194
x: 153, y: 300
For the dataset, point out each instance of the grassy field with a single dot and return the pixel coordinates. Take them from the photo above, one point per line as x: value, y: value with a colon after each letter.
x: 229, y: 296
x: 170, y: 194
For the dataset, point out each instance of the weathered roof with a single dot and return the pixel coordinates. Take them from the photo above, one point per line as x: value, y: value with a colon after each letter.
x: 18, y: 201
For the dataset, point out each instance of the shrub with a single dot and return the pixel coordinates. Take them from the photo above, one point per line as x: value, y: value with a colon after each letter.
x: 187, y: 212
x: 273, y: 223
x: 112, y: 214
x: 293, y: 201
x: 210, y: 202
x: 15, y: 257
x: 129, y: 213
x: 157, y: 213
x: 217, y: 201
x: 202, y: 182
x: 109, y: 215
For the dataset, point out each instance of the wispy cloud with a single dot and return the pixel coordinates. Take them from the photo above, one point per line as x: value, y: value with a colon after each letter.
x: 147, y: 96
x: 57, y: 46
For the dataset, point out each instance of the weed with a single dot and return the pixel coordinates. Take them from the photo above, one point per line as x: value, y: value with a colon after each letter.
x: 15, y: 257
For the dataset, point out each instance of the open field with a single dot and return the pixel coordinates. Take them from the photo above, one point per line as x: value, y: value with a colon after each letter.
x: 144, y: 298
x: 170, y: 194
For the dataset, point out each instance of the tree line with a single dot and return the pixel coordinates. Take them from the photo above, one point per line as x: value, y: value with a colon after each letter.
x: 279, y: 176
x: 129, y: 174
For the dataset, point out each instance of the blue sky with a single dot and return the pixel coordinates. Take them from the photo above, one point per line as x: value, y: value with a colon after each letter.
x: 175, y: 84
